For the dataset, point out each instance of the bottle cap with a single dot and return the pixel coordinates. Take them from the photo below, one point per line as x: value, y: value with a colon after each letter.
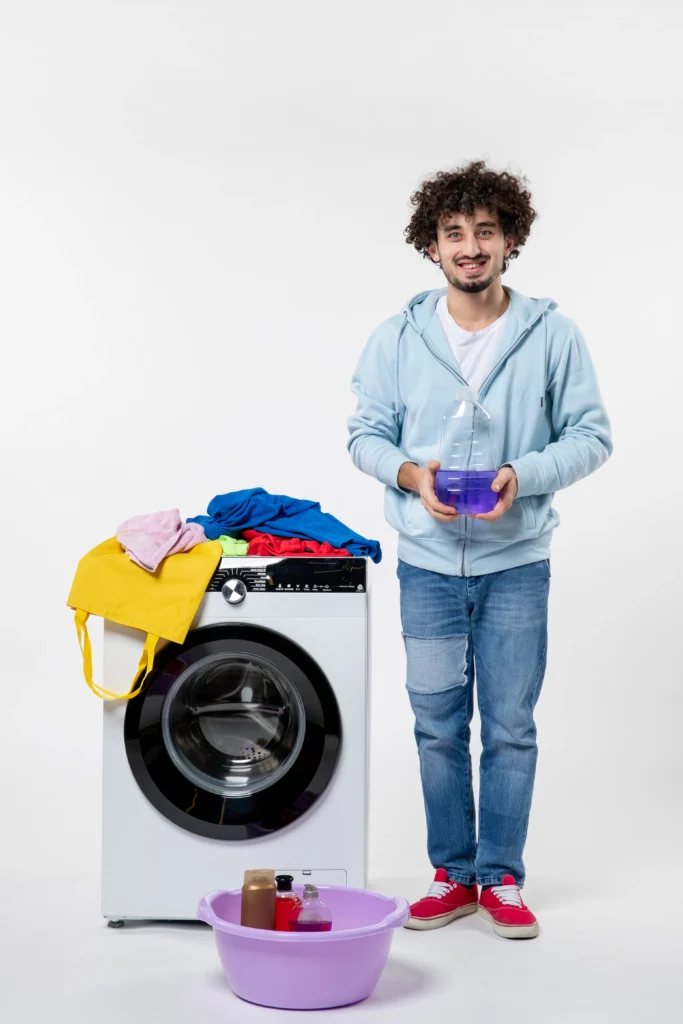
x: 466, y: 395
x: 310, y: 892
x: 284, y: 883
x: 260, y: 878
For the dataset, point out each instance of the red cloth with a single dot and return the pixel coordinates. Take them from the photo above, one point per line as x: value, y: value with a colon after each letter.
x: 267, y: 544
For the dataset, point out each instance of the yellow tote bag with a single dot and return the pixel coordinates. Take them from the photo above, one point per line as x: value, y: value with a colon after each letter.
x: 160, y: 604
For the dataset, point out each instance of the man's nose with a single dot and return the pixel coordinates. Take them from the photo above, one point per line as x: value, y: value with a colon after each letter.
x: 472, y: 249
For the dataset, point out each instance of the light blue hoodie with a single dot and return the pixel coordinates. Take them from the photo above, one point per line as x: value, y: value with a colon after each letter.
x: 548, y: 423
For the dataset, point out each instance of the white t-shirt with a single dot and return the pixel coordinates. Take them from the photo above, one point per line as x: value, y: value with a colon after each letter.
x: 474, y: 350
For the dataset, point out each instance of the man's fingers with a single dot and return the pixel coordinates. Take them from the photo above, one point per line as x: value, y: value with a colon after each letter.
x: 490, y: 517
x: 439, y: 511
x: 436, y: 509
x: 505, y: 484
x: 432, y: 503
x: 443, y: 518
x: 504, y: 477
x: 437, y: 506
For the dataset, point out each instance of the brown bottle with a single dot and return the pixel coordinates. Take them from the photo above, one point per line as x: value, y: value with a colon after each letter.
x: 258, y: 899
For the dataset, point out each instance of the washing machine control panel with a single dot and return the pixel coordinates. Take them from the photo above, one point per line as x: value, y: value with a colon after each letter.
x: 292, y: 575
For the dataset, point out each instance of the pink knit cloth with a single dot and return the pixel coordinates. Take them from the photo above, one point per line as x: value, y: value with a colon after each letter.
x: 150, y: 538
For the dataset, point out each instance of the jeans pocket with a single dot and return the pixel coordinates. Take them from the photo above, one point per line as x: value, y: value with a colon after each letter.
x: 435, y: 664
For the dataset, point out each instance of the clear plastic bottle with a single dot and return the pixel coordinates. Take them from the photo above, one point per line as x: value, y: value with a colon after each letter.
x: 467, y: 465
x: 314, y: 916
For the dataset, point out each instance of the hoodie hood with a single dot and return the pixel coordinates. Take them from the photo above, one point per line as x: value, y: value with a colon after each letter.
x: 523, y: 310
x: 521, y: 315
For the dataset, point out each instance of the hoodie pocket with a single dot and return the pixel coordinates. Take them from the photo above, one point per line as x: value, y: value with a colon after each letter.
x: 419, y: 523
x: 529, y: 514
x: 518, y: 523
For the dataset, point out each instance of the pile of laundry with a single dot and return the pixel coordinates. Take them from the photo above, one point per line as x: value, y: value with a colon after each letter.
x: 162, y: 601
x: 248, y: 522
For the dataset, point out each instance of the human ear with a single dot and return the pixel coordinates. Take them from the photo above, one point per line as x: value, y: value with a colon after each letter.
x: 433, y: 253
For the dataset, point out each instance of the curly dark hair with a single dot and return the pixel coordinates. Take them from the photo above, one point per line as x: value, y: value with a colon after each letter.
x: 462, y: 191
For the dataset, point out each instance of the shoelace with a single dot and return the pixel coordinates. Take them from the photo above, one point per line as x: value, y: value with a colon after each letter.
x: 440, y: 889
x: 509, y: 895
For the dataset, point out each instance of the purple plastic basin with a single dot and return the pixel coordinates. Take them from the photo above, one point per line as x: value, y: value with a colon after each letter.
x: 307, y: 970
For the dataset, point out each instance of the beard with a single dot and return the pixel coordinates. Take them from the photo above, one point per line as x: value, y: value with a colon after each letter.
x: 479, y: 284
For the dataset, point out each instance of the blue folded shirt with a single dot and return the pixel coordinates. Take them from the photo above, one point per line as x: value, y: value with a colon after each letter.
x: 256, y: 509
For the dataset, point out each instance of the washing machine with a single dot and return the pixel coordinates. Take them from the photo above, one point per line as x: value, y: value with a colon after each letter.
x: 248, y: 747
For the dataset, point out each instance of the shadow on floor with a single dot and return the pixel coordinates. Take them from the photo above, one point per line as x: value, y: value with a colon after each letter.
x: 400, y: 980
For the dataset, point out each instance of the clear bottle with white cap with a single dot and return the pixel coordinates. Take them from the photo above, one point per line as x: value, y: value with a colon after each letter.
x: 314, y: 915
x: 467, y: 465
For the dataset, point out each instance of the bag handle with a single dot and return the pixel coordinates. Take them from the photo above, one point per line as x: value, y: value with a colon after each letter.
x: 144, y: 665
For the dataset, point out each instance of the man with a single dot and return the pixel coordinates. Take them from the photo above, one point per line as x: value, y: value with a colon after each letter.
x: 474, y: 589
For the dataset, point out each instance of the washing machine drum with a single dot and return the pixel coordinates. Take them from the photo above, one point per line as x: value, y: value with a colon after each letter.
x: 236, y: 734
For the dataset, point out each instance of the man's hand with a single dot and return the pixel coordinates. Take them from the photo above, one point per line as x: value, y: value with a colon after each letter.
x: 506, y: 486
x: 412, y: 477
x: 444, y: 513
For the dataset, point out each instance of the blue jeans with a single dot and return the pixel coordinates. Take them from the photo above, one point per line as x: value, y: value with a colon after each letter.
x: 494, y: 626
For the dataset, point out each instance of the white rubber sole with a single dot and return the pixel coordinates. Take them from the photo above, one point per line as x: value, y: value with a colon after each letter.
x: 526, y: 931
x: 419, y: 924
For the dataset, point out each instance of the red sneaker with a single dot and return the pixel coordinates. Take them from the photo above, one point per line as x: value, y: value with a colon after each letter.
x: 504, y: 907
x: 443, y: 903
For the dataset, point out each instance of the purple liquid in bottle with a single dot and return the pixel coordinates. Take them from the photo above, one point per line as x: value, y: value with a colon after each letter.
x: 311, y: 926
x: 467, y: 492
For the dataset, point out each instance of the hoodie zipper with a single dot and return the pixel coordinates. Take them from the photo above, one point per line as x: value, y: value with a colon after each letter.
x: 482, y: 388
x: 411, y: 320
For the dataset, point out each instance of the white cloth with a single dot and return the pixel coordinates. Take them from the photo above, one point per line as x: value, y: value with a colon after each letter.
x: 474, y: 351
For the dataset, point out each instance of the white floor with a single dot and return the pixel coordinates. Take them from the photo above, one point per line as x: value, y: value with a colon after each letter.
x: 602, y: 956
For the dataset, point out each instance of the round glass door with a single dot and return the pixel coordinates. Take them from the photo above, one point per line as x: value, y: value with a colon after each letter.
x: 233, y: 724
x: 236, y: 733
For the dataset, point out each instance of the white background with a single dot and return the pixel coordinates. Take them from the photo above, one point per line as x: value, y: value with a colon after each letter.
x: 201, y: 217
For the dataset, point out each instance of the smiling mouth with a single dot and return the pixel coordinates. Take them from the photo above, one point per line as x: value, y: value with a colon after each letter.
x: 472, y: 267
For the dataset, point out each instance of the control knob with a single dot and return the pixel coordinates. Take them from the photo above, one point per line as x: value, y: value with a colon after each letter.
x: 234, y: 591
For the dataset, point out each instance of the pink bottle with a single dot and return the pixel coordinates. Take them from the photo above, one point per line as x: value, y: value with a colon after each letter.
x: 314, y: 916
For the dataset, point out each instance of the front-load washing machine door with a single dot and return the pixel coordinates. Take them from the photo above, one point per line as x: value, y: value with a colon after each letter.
x: 236, y: 734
